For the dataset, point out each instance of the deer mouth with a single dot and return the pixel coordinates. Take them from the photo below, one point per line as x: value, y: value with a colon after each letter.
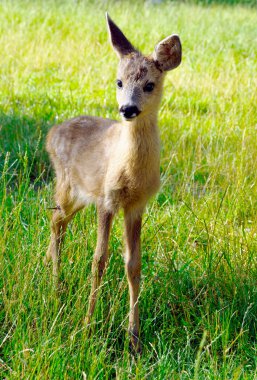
x: 130, y: 118
x: 129, y: 112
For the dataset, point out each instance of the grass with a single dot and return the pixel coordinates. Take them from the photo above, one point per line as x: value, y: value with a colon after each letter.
x: 198, y: 298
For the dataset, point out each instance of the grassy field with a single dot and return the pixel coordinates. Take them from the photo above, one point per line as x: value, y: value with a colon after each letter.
x: 198, y: 297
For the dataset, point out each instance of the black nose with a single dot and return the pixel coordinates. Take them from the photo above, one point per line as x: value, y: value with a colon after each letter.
x: 129, y: 112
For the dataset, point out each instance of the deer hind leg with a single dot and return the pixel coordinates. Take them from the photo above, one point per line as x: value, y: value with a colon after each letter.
x: 133, y: 222
x: 67, y: 207
x: 100, y: 257
x: 59, y: 224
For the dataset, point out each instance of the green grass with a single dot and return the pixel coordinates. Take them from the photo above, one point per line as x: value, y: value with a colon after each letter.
x: 198, y: 298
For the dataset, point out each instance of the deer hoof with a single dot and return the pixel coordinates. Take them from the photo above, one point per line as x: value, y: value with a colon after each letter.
x: 135, y: 345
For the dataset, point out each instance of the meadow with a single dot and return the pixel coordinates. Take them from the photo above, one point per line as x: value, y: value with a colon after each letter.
x: 198, y: 297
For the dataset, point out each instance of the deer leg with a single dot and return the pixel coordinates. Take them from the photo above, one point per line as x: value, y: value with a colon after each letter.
x: 59, y: 224
x: 133, y: 222
x: 100, y: 257
x: 60, y: 219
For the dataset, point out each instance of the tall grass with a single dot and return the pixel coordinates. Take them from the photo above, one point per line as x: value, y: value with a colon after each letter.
x: 198, y: 298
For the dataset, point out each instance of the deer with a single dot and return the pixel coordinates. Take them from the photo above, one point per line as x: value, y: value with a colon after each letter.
x: 113, y: 164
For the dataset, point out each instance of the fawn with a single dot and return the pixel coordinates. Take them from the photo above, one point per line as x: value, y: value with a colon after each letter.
x: 113, y: 164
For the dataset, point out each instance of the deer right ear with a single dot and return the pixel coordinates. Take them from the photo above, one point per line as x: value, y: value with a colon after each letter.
x: 120, y: 43
x: 168, y: 53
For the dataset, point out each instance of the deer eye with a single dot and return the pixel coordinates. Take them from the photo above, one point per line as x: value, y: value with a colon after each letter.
x: 149, y: 87
x: 119, y: 83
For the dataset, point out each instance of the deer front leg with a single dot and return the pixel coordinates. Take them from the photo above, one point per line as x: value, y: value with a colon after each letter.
x: 100, y: 257
x: 133, y: 222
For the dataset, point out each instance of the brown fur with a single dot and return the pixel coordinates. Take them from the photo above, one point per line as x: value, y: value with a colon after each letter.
x: 112, y: 164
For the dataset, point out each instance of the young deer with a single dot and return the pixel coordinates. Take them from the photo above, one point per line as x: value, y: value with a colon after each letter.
x: 113, y: 164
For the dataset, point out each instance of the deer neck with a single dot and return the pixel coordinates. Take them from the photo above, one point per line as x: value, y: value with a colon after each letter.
x: 140, y: 140
x: 140, y: 132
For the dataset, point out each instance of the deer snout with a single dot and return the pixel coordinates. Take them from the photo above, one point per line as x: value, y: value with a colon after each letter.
x: 129, y: 112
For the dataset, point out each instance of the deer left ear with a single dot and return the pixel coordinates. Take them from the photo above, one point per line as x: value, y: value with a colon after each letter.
x: 120, y: 43
x: 168, y: 53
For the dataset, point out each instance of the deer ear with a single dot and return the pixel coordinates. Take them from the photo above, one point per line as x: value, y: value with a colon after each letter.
x: 120, y: 43
x: 168, y: 53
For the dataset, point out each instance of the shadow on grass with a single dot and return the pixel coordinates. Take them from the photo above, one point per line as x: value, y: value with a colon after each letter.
x: 22, y: 147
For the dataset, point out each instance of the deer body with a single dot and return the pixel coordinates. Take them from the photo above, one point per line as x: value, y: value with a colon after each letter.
x: 122, y: 169
x: 113, y: 164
